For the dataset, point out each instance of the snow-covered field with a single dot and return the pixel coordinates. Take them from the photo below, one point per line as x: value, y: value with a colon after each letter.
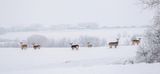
x: 99, y: 60
x: 96, y: 60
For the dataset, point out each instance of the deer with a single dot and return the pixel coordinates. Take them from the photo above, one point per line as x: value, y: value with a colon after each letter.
x: 76, y: 46
x: 115, y: 44
x: 136, y: 41
x: 23, y: 45
x: 36, y: 46
x: 89, y: 45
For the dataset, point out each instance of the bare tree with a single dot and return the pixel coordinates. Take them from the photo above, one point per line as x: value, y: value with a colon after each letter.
x: 149, y: 51
x: 150, y: 3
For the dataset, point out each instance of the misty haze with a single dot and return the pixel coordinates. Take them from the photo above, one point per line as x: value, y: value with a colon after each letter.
x: 79, y: 36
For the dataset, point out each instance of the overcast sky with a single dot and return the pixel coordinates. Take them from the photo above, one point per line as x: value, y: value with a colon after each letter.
x: 53, y: 12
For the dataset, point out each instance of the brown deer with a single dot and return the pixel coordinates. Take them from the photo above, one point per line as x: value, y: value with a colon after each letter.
x: 136, y: 41
x: 23, y: 45
x: 115, y: 44
x: 89, y: 44
x: 36, y: 46
x: 76, y: 46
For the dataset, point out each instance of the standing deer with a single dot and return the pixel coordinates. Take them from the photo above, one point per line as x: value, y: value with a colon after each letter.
x: 136, y: 41
x: 76, y: 46
x: 115, y: 44
x: 23, y: 45
x: 36, y: 46
x: 89, y: 45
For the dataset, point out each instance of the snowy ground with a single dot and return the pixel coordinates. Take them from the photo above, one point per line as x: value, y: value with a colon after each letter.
x: 100, y: 60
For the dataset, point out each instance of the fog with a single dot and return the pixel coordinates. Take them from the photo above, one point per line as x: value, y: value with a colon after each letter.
x: 72, y: 12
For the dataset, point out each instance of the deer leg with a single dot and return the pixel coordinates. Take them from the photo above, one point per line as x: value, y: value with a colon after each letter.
x: 115, y: 46
x: 110, y: 46
x: 76, y: 48
x: 34, y: 48
x: 132, y: 43
x: 72, y: 48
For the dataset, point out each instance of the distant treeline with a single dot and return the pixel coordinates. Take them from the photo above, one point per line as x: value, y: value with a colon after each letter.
x: 46, y: 42
x: 65, y: 42
x: 39, y: 27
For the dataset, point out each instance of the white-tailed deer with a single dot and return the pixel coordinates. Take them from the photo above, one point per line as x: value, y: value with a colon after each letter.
x: 76, y: 46
x: 89, y: 44
x: 115, y: 44
x: 136, y: 41
x: 23, y: 45
x: 36, y: 46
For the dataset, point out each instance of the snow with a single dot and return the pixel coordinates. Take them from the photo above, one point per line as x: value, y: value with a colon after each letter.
x: 95, y: 60
x: 98, y: 60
